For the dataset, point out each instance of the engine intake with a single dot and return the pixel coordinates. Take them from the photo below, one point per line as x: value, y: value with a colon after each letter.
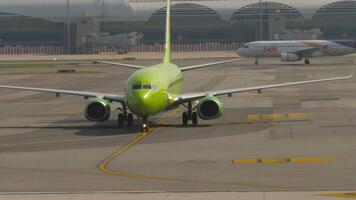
x: 210, y: 108
x: 290, y: 57
x: 97, y: 110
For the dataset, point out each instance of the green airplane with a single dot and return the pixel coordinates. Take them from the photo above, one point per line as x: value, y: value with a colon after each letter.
x: 154, y: 89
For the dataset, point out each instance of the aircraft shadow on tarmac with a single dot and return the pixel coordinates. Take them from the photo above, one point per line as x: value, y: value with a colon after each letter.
x: 81, y: 127
x: 110, y: 128
x: 91, y: 128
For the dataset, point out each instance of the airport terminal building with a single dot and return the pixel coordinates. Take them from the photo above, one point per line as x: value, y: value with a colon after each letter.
x: 194, y: 21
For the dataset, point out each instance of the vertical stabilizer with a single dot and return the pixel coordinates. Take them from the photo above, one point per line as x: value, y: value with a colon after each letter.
x: 167, y: 46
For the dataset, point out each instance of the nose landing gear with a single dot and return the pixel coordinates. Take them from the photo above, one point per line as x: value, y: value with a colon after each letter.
x: 124, y: 116
x: 144, y: 125
x: 256, y: 61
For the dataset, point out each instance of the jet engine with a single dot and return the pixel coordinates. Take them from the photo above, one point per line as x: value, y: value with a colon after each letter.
x: 97, y: 110
x: 210, y: 107
x: 290, y: 57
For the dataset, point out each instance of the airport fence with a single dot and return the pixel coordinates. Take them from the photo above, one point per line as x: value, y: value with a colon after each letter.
x: 59, y: 49
x: 187, y: 47
x: 32, y: 49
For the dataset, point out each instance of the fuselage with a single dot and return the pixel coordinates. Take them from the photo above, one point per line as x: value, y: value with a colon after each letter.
x: 303, y: 48
x: 153, y: 89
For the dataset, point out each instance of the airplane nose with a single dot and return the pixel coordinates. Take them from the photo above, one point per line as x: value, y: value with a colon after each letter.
x: 145, y: 103
x: 143, y: 98
x: 238, y: 51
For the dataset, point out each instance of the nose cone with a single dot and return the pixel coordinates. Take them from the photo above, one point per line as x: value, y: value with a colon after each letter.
x: 146, y: 103
x: 239, y: 51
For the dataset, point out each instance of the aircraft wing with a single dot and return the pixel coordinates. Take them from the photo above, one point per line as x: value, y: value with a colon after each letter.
x: 194, y: 96
x: 306, y: 52
x: 209, y: 64
x: 120, y: 64
x: 110, y: 97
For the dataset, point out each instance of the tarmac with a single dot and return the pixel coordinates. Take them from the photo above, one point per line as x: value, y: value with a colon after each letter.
x: 293, y: 141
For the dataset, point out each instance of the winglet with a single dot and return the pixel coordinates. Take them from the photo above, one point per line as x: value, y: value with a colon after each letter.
x: 167, y: 47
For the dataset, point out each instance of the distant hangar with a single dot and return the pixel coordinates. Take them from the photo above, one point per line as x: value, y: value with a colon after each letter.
x: 37, y: 22
x: 143, y: 10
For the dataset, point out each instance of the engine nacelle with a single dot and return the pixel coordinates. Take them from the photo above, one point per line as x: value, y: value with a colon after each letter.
x: 97, y: 110
x: 210, y: 107
x: 290, y: 57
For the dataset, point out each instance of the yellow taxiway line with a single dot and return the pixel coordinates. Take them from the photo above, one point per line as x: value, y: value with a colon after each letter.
x: 340, y: 195
x: 103, y: 165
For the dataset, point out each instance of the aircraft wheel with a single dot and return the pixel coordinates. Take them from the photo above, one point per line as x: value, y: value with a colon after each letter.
x: 307, y: 61
x: 195, y: 118
x: 256, y: 61
x: 185, y: 118
x: 120, y: 119
x: 129, y: 119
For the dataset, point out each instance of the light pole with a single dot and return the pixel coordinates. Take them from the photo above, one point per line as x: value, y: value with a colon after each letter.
x: 261, y: 21
x: 68, y: 28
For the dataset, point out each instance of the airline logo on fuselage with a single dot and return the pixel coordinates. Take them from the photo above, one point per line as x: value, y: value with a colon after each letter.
x: 269, y: 49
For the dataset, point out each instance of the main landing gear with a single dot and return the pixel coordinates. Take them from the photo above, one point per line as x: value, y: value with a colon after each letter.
x: 125, y: 116
x: 307, y: 61
x: 189, y: 115
x: 256, y: 61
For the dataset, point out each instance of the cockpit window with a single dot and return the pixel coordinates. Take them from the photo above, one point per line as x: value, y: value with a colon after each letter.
x: 136, y: 87
x: 245, y: 46
x: 145, y: 87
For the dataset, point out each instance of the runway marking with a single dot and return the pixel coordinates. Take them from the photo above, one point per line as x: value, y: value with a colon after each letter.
x: 299, y: 116
x: 277, y: 116
x: 253, y: 117
x: 340, y: 195
x: 297, y: 160
x: 103, y: 165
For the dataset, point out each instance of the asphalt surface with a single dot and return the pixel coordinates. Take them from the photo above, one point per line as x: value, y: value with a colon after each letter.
x: 293, y: 139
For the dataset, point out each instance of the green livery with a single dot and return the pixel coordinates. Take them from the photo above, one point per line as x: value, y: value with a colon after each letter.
x: 153, y: 89
x: 160, y: 84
